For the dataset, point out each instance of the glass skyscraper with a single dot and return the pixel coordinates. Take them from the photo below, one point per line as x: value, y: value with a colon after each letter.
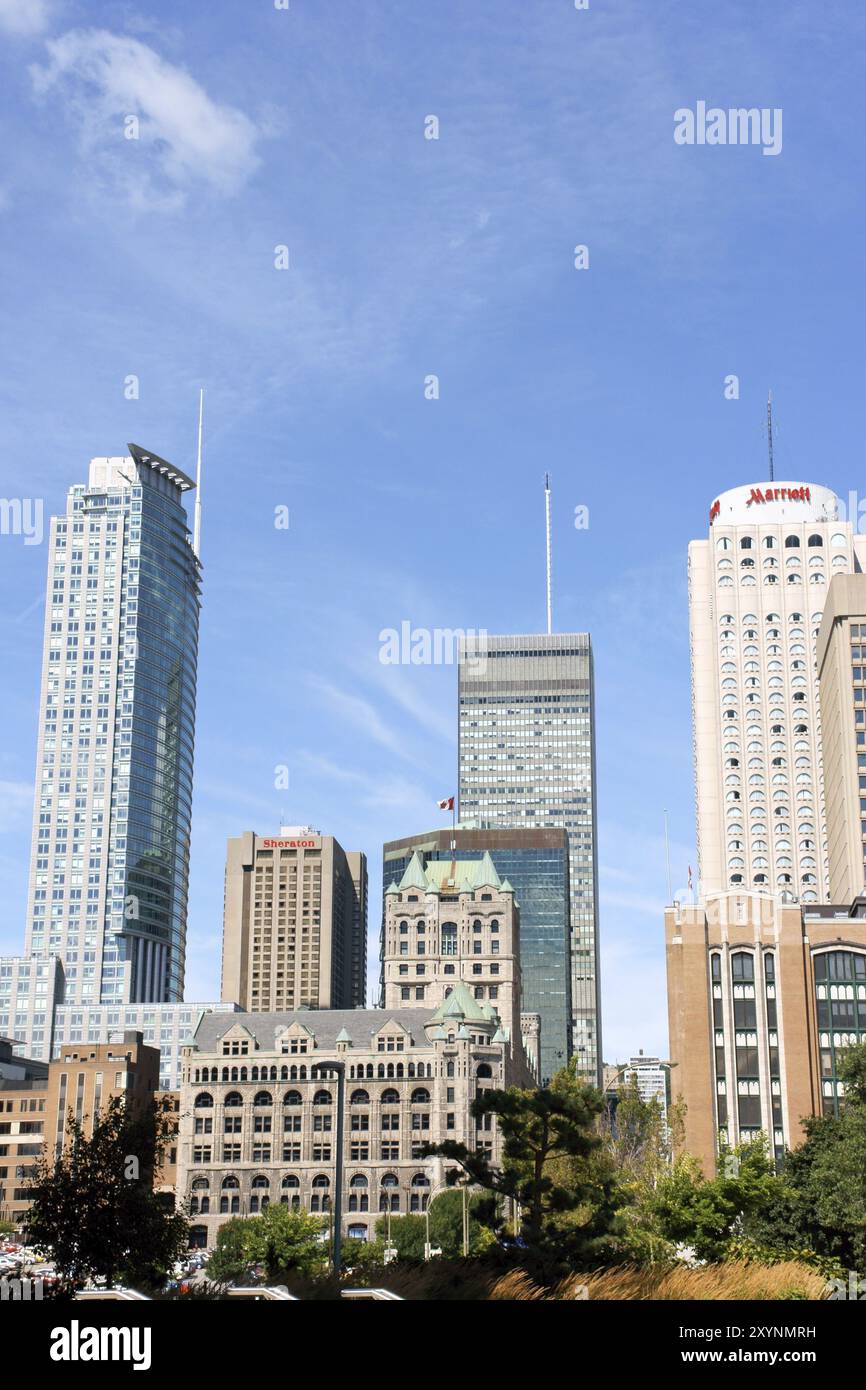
x: 535, y: 863
x: 111, y: 830
x: 527, y: 759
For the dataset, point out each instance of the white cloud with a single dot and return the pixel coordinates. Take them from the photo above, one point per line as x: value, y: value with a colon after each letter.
x: 24, y: 16
x: 359, y: 712
x: 16, y: 803
x: 183, y: 135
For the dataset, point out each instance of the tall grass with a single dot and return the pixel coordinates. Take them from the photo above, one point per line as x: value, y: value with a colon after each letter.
x: 454, y: 1280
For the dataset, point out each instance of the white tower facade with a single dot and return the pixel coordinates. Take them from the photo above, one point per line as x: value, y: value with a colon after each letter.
x: 757, y: 589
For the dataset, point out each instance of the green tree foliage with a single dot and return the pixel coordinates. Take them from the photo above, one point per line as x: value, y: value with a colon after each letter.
x: 94, y: 1208
x: 282, y: 1241
x: 409, y: 1233
x: 704, y: 1214
x: 827, y: 1177
x: 551, y: 1167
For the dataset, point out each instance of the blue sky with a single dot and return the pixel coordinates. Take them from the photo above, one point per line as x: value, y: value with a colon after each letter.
x: 409, y: 257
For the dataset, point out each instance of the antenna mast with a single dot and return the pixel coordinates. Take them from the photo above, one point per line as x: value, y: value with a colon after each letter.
x: 547, y: 522
x: 770, y: 432
x: 196, y: 534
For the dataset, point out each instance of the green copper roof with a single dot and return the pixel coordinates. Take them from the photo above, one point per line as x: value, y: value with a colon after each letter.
x: 451, y: 875
x: 343, y: 1036
x: 414, y: 877
x: 392, y: 888
x: 461, y: 1004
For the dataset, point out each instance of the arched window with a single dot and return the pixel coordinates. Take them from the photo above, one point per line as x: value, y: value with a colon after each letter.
x: 359, y: 1199
x: 289, y: 1191
x: 359, y: 1098
x: 203, y: 1101
x: 389, y: 1197
x: 230, y: 1200
x: 792, y: 542
x: 320, y: 1199
x: 263, y: 1098
x: 259, y: 1196
x: 483, y: 1071
x: 816, y: 540
x: 448, y: 938
x: 420, y: 1194
x: 323, y: 1098
x: 420, y: 1096
x: 233, y: 1100
x: 390, y: 1096
x: 292, y: 1098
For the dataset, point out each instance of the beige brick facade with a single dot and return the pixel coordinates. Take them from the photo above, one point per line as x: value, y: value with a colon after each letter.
x: 763, y: 996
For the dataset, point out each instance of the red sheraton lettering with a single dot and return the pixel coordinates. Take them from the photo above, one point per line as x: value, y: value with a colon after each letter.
x: 289, y: 844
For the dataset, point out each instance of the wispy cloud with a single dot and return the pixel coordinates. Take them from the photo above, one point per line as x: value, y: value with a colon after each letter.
x: 24, y: 17
x: 16, y: 802
x: 361, y: 714
x: 183, y: 136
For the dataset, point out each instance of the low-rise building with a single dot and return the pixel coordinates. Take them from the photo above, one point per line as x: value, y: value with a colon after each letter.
x: 35, y: 1107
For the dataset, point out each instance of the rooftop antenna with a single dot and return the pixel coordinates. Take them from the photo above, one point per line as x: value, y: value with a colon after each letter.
x: 196, y: 533
x: 770, y: 432
x: 547, y: 522
x: 668, y: 859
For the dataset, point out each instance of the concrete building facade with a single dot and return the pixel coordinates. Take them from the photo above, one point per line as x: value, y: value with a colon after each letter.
x: 295, y: 922
x: 841, y: 663
x: 526, y: 747
x: 757, y: 592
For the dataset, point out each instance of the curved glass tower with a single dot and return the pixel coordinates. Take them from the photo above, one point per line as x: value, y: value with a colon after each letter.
x: 111, y: 835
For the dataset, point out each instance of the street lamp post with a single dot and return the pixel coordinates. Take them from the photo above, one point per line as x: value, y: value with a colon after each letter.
x: 326, y: 1069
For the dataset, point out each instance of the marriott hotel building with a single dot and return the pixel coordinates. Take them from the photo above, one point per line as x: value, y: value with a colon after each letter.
x: 757, y: 590
x: 767, y: 970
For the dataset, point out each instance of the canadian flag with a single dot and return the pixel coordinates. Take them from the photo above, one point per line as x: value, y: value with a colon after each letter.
x: 447, y: 804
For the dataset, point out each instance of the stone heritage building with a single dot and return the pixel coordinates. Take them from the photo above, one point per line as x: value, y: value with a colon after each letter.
x: 259, y: 1111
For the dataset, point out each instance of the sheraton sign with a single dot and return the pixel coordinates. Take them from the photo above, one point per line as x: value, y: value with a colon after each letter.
x: 768, y: 494
x: 290, y: 844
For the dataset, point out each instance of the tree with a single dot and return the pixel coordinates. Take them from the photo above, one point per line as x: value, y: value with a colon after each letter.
x: 568, y: 1202
x: 230, y: 1263
x: 827, y: 1175
x: 706, y: 1214
x: 282, y: 1240
x: 285, y: 1241
x: 94, y: 1207
x: 408, y: 1234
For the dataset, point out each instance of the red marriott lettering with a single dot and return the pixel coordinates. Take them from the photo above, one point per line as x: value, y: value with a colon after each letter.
x: 289, y: 844
x: 779, y: 494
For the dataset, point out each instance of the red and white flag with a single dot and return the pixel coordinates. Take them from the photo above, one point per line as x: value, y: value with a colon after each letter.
x: 447, y: 804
